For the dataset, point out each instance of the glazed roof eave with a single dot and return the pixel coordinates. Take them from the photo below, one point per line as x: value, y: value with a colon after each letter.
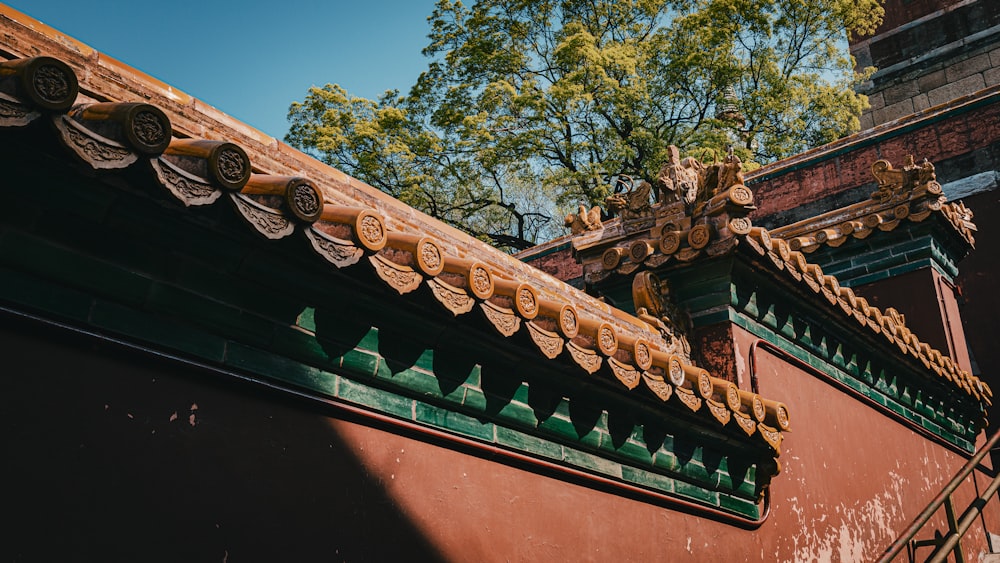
x: 192, y: 126
x: 104, y: 78
x: 792, y: 266
x: 859, y: 220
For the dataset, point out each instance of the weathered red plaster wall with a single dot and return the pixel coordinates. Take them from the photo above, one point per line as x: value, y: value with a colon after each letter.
x: 115, y: 457
x: 121, y: 457
x: 852, y: 478
x: 713, y: 346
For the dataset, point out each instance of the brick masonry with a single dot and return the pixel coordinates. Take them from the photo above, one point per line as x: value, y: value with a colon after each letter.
x: 960, y: 144
x: 928, y: 53
x: 559, y: 262
x: 901, y: 13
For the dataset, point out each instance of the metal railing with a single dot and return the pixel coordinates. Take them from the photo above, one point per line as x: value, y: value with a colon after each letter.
x: 949, y: 542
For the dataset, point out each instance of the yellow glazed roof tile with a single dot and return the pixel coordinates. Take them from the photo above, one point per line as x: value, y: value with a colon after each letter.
x: 910, y: 194
x: 889, y: 323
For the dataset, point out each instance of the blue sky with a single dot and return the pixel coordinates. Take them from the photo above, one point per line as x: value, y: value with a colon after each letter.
x: 252, y: 59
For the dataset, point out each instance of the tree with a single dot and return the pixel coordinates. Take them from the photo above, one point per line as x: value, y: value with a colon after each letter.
x: 531, y: 105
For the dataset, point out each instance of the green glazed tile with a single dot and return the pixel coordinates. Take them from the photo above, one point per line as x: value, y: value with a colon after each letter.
x: 696, y: 492
x: 474, y: 399
x: 16, y: 287
x: 374, y: 398
x: 647, y: 479
x: 272, y: 366
x: 526, y: 443
x: 740, y: 506
x: 297, y: 343
x: 455, y: 422
x: 160, y: 332
x: 592, y: 462
x: 519, y: 414
x: 413, y: 381
x: 359, y: 363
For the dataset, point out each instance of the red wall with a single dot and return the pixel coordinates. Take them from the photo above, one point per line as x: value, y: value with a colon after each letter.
x: 117, y: 457
x: 977, y: 281
x: 929, y: 303
x: 852, y: 477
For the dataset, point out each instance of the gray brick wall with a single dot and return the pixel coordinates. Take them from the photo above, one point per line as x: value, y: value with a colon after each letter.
x: 906, y: 91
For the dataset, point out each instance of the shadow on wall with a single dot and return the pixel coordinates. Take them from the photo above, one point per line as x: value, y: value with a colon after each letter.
x: 112, y: 455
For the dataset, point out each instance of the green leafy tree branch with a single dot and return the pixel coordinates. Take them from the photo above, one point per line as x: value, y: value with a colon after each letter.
x: 532, y: 106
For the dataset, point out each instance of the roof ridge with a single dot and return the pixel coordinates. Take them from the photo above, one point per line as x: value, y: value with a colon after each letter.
x: 908, y: 194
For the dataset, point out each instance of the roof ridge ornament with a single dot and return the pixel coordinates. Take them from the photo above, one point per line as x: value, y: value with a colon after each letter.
x: 895, y: 184
x: 680, y: 180
x: 911, y: 193
x: 631, y: 201
x: 699, y: 210
x: 653, y: 305
x: 584, y: 220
